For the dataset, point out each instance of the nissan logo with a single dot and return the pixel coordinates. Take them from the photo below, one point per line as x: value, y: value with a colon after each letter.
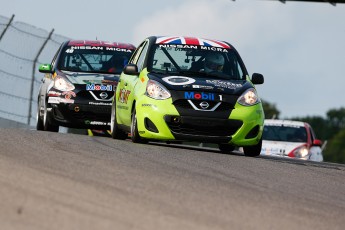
x: 204, y: 105
x: 103, y: 95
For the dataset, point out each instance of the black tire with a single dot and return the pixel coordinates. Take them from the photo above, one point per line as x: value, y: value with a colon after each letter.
x: 116, y: 133
x: 39, y: 120
x: 134, y: 130
x: 47, y: 125
x: 226, y: 148
x: 254, y: 150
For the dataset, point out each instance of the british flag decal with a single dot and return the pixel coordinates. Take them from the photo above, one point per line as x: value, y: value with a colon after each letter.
x: 192, y: 41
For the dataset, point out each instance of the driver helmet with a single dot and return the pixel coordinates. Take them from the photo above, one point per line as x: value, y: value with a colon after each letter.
x: 214, y: 62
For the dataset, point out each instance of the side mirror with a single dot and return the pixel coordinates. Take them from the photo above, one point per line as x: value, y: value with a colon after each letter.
x: 45, y: 68
x: 257, y: 78
x: 131, y: 69
x: 317, y: 142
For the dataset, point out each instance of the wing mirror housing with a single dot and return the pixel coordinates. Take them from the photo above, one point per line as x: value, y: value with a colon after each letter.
x: 257, y: 78
x: 45, y: 68
x: 131, y: 69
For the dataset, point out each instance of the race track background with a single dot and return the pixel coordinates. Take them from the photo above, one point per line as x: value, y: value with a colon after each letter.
x: 69, y: 181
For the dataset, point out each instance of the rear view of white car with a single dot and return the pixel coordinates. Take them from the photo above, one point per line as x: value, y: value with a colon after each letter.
x: 294, y: 139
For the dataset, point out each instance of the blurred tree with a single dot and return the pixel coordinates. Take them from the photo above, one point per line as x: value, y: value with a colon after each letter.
x: 335, y: 149
x: 271, y: 111
x: 336, y: 119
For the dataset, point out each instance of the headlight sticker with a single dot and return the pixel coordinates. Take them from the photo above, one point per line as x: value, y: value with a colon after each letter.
x: 69, y: 94
x: 178, y: 80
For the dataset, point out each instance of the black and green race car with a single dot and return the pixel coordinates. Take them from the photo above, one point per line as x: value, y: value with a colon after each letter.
x: 188, y: 89
x: 78, y: 86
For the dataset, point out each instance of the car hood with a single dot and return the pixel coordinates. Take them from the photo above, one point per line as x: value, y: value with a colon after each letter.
x: 195, y: 83
x: 278, y: 148
x: 90, y: 78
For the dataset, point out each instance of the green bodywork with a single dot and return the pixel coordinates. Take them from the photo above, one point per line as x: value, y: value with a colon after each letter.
x: 130, y: 95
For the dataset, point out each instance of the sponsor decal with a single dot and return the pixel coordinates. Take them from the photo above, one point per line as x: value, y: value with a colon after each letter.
x: 178, y: 80
x: 72, y: 48
x: 67, y: 101
x: 149, y: 105
x: 123, y: 95
x: 121, y: 107
x: 178, y: 47
x: 53, y: 94
x: 54, y: 100
x: 118, y: 49
x: 202, y: 87
x: 87, y: 122
x: 95, y: 87
x: 58, y: 100
x: 224, y: 84
x: 273, y: 151
x: 192, y: 41
x: 199, y: 96
x: 99, y: 103
x: 100, y: 43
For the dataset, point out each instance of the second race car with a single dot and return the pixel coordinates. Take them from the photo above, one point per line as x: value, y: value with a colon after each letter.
x: 79, y: 84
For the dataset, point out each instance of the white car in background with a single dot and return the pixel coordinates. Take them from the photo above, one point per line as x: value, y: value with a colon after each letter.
x: 294, y: 139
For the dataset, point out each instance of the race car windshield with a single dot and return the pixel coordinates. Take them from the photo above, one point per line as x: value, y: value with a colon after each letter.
x: 191, y: 60
x: 93, y: 60
x: 284, y: 133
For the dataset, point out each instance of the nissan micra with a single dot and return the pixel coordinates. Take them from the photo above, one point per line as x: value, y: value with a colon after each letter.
x: 188, y: 89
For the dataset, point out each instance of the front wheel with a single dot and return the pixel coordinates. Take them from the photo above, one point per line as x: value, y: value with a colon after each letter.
x: 116, y: 133
x: 134, y: 130
x: 39, y: 120
x: 254, y: 150
x: 47, y: 125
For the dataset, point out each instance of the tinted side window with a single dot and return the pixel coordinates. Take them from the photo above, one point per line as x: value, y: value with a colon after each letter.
x: 138, y: 51
x: 142, y: 57
x: 55, y: 56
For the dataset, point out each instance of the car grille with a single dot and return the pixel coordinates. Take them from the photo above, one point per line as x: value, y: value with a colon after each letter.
x: 184, y: 104
x: 88, y: 96
x: 202, y: 126
x: 92, y: 112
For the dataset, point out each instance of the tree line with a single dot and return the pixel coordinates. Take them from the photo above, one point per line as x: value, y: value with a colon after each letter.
x: 331, y: 130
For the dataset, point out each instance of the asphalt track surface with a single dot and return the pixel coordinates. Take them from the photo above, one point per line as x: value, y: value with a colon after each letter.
x: 69, y: 181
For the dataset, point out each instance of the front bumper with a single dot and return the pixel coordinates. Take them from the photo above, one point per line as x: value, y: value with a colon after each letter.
x: 81, y: 115
x: 160, y: 120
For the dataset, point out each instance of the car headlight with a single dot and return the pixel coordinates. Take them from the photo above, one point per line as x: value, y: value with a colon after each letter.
x: 300, y: 152
x: 249, y: 97
x: 156, y: 90
x: 62, y: 84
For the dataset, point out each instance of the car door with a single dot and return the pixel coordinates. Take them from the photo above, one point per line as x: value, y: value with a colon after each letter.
x: 125, y: 93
